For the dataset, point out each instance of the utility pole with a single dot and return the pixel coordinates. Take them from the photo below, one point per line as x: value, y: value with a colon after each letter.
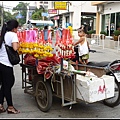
x: 2, y: 15
x: 27, y: 16
x: 43, y: 10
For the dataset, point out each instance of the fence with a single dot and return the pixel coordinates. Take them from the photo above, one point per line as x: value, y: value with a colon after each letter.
x: 99, y: 39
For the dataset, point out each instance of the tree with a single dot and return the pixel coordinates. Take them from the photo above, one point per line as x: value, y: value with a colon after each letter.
x: 7, y: 16
x: 22, y: 9
x: 37, y: 14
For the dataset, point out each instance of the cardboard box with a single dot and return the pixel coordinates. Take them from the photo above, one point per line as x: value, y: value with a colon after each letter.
x: 92, y: 89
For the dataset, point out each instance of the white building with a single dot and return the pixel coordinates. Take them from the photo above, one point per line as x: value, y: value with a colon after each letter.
x: 42, y: 3
x: 30, y: 10
x: 108, y: 16
x: 77, y: 13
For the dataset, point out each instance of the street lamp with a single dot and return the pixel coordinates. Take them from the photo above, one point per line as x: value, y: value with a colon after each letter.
x: 68, y: 19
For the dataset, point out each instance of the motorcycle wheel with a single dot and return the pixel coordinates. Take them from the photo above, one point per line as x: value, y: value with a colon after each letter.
x: 114, y: 101
x: 43, y: 95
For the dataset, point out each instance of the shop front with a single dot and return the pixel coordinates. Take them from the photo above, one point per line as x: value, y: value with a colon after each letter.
x: 88, y: 19
x: 110, y: 22
x: 109, y: 16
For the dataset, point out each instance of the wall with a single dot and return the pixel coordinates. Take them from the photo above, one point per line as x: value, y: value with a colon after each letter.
x: 112, y: 8
x: 76, y: 8
x: 75, y: 34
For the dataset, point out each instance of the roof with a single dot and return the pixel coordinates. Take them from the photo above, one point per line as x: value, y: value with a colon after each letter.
x: 97, y: 3
x: 102, y: 2
x: 42, y: 22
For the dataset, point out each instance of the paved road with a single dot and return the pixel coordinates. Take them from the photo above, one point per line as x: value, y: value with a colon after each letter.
x: 28, y: 107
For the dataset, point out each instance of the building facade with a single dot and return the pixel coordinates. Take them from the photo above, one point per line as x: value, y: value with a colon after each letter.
x: 77, y: 13
x: 42, y: 3
x: 108, y: 16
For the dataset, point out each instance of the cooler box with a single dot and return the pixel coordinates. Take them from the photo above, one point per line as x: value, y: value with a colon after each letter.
x: 93, y: 88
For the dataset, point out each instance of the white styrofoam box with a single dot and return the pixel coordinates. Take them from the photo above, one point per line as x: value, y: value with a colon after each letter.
x: 109, y: 85
x: 92, y: 89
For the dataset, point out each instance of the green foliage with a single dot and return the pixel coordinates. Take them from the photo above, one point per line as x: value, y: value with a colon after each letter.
x: 7, y: 16
x: 37, y: 14
x: 91, y: 32
x: 103, y: 32
x: 116, y: 32
x: 22, y: 9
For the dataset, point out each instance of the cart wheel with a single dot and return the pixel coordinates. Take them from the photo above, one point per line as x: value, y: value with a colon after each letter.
x: 114, y: 101
x: 43, y: 95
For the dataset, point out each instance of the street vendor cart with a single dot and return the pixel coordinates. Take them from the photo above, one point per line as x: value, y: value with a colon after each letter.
x: 48, y: 77
x: 66, y: 86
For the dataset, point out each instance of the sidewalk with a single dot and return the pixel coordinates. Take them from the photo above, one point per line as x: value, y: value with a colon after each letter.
x: 107, y: 43
x: 108, y: 52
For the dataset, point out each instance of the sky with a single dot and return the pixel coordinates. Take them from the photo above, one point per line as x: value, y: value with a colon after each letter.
x: 10, y: 4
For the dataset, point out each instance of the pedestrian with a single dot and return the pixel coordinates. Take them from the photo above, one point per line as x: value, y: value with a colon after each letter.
x: 107, y: 31
x: 83, y: 45
x: 59, y: 29
x: 52, y: 32
x: 9, y: 35
x: 45, y: 31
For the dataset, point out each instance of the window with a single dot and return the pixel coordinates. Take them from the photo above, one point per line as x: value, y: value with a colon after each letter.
x: 45, y: 6
x: 112, y: 23
x: 45, y: 2
x: 103, y: 23
x: 117, y: 20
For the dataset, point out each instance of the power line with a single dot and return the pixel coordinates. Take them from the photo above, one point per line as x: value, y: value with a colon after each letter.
x: 18, y: 9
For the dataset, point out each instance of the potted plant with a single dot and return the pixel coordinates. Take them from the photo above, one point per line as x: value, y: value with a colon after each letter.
x: 116, y: 34
x: 90, y: 32
x: 103, y: 33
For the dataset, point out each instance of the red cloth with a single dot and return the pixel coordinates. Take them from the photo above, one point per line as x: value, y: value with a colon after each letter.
x: 47, y: 62
x: 29, y: 59
x: 43, y: 64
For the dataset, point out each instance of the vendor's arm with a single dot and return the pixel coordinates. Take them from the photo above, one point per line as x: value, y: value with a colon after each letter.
x: 79, y: 41
x: 88, y: 45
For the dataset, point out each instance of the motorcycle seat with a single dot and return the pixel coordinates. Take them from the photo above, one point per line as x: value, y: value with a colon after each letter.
x: 98, y: 64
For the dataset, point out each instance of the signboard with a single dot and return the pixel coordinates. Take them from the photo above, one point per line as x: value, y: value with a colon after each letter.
x: 19, y: 16
x: 52, y: 11
x: 44, y: 14
x: 60, y: 5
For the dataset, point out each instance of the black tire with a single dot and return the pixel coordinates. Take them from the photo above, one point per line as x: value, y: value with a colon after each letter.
x: 43, y: 95
x: 114, y: 101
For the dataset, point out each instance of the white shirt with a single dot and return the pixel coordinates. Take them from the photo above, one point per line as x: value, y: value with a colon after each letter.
x: 10, y: 37
x: 83, y: 49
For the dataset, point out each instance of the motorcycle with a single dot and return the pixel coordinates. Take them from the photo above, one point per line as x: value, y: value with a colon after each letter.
x: 110, y: 68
